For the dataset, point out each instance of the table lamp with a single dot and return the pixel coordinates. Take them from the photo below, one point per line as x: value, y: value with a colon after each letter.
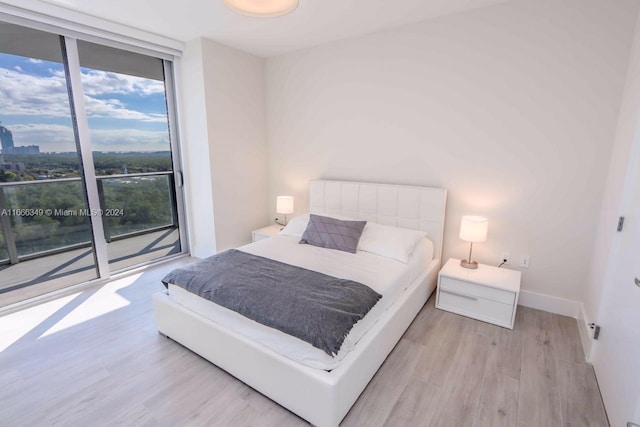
x: 284, y: 205
x: 473, y: 229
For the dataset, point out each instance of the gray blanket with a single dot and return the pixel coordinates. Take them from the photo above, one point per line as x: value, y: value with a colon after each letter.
x: 314, y: 307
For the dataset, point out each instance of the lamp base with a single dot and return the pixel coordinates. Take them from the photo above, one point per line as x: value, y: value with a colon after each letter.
x: 469, y: 264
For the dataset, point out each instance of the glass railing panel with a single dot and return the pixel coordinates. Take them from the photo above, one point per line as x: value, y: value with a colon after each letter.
x: 51, y: 238
x: 137, y: 203
x: 4, y: 252
x: 139, y: 218
x: 48, y: 217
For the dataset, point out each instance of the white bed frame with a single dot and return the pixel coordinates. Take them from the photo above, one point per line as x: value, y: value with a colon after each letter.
x: 320, y: 397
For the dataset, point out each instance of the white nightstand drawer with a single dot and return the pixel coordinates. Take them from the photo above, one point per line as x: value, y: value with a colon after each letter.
x: 488, y: 293
x: 478, y: 308
x: 478, y: 291
x: 265, y: 232
x: 258, y: 236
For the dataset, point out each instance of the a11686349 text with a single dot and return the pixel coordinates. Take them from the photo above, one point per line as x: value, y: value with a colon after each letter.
x: 18, y: 212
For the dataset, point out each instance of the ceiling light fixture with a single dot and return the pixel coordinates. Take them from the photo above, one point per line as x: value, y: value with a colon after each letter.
x: 262, y: 8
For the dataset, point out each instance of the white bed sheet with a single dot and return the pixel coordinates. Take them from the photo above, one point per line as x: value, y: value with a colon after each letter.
x: 384, y: 275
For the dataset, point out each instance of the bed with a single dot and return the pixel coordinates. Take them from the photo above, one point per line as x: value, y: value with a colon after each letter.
x: 320, y: 390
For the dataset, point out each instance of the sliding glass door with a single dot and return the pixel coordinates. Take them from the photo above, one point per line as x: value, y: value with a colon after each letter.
x: 88, y: 164
x: 126, y: 108
x: 45, y: 246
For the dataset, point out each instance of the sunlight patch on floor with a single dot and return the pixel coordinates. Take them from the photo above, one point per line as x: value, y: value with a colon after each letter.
x: 103, y: 301
x: 16, y: 325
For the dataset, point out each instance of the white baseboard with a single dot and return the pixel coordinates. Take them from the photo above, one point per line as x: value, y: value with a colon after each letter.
x: 202, y: 251
x: 586, y: 336
x: 550, y: 303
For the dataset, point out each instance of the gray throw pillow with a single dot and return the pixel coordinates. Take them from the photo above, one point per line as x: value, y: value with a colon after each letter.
x: 332, y: 233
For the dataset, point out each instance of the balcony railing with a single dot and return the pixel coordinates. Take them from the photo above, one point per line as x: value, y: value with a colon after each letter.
x: 45, y: 217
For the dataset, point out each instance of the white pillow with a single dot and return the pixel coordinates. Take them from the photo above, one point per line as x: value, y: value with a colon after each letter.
x: 296, y: 226
x: 390, y: 242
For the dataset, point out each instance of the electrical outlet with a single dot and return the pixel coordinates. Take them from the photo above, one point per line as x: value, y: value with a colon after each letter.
x: 505, y: 257
x: 525, y: 260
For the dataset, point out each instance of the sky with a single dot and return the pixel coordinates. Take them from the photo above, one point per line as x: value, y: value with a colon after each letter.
x: 125, y: 113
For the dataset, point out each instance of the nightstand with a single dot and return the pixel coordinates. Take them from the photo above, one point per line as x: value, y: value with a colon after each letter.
x: 488, y: 293
x: 265, y: 232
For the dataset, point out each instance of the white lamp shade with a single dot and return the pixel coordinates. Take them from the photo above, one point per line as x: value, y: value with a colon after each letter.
x: 284, y: 204
x: 262, y: 8
x: 474, y: 228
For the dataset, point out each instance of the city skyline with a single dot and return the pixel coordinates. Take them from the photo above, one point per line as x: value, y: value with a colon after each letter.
x: 125, y: 113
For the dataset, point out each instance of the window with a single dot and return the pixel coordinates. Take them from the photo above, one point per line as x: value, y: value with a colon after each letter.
x: 64, y: 217
x: 126, y: 109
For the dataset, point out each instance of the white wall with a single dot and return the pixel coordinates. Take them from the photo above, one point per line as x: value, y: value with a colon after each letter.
x: 224, y: 139
x: 194, y: 136
x: 513, y: 108
x: 234, y: 90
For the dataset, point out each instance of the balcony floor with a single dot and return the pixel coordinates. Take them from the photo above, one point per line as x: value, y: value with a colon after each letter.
x: 49, y: 273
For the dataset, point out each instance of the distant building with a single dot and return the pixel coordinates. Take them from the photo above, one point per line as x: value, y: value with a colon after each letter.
x: 27, y: 149
x: 6, y: 138
x: 11, y: 166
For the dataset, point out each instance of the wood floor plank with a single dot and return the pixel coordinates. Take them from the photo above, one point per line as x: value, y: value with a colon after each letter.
x: 535, y: 319
x: 579, y: 396
x: 539, y: 401
x: 461, y: 391
x: 19, y: 402
x: 481, y: 328
x: 442, y: 342
x: 416, y: 406
x: 505, y: 353
x: 425, y: 324
x: 8, y: 381
x: 270, y: 413
x: 566, y: 339
x: 498, y: 404
x: 186, y: 396
x: 79, y: 408
x: 379, y: 397
x: 137, y: 416
x: 233, y: 412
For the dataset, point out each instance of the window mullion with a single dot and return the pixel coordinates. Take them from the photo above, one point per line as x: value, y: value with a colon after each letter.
x: 83, y: 143
x: 176, y: 155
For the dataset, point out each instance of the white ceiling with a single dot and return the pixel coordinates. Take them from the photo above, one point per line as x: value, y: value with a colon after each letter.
x: 313, y: 23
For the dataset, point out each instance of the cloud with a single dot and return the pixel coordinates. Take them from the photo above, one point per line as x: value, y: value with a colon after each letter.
x: 96, y: 83
x: 46, y: 96
x: 115, y: 109
x: 28, y: 95
x: 48, y: 137
x: 61, y: 138
x: 129, y: 140
x: 35, y: 61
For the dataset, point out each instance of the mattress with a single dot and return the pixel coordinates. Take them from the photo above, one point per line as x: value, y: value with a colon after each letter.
x: 384, y: 275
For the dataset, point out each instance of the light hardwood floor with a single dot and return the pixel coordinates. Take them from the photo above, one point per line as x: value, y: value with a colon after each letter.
x: 95, y: 358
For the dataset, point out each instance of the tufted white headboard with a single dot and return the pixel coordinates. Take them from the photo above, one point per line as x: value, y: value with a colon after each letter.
x: 418, y: 208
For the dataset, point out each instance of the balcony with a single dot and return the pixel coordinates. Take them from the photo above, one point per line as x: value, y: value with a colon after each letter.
x: 45, y: 235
